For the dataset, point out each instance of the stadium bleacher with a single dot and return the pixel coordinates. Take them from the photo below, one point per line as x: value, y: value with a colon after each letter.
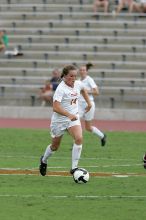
x: 51, y: 34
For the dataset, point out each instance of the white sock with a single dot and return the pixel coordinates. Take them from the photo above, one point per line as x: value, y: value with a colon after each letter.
x: 47, y: 154
x: 97, y: 132
x: 76, y: 153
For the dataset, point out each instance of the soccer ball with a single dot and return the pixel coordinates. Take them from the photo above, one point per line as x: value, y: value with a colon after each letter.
x: 81, y: 176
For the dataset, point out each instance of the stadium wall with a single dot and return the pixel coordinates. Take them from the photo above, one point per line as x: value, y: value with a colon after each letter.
x: 46, y: 112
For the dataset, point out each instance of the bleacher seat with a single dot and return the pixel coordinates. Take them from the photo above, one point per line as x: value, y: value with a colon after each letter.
x: 51, y: 34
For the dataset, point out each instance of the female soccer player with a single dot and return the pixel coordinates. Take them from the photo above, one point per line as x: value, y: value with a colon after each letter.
x: 66, y: 117
x: 92, y: 90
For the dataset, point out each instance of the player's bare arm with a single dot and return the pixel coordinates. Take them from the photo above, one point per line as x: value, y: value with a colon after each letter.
x: 58, y: 109
x: 86, y: 97
x: 93, y: 91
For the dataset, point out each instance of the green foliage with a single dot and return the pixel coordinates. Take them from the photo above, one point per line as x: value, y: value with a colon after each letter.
x: 60, y: 198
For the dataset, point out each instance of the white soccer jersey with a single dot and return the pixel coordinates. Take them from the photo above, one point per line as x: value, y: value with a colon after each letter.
x: 89, y: 84
x: 68, y: 98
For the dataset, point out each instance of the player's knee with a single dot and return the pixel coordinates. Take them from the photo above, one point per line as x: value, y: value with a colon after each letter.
x: 88, y: 128
x: 54, y: 147
x: 79, y: 140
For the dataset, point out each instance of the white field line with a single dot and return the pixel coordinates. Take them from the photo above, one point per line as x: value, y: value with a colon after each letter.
x: 66, y: 158
x: 76, y: 196
x: 121, y: 165
x: 62, y: 167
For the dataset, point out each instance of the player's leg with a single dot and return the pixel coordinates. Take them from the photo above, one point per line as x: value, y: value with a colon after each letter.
x: 76, y: 133
x: 57, y: 131
x: 47, y: 154
x: 89, y: 127
x: 51, y: 148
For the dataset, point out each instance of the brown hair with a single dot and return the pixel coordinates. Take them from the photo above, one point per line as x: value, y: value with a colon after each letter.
x: 89, y: 65
x: 66, y: 70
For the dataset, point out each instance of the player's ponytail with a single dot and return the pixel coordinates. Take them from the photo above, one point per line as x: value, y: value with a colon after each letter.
x: 88, y: 66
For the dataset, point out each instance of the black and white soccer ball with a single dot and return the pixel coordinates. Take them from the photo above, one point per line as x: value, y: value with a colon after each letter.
x: 81, y: 175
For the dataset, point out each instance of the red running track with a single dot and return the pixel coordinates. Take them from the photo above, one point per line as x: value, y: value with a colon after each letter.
x: 117, y: 125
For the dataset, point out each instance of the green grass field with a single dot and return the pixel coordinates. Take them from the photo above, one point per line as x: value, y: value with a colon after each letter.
x: 33, y: 197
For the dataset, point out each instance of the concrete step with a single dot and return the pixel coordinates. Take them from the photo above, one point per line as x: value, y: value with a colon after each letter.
x: 43, y: 73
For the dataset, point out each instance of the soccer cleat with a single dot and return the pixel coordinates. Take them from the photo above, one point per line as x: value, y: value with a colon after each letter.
x: 73, y: 170
x: 144, y: 160
x: 42, y: 167
x: 103, y: 140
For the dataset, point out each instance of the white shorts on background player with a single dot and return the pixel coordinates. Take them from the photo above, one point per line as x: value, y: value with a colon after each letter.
x: 89, y: 84
x: 87, y: 116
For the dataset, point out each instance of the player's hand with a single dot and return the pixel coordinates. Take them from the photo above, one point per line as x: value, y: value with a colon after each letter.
x: 73, y: 117
x: 87, y: 109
